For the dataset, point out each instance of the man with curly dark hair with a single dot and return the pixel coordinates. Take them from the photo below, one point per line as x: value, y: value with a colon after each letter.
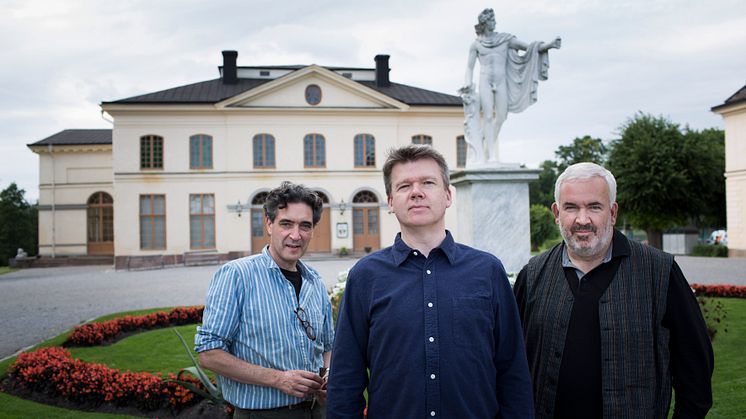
x: 267, y: 326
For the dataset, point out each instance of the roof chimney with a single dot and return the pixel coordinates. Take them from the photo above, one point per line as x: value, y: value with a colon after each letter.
x: 382, y: 70
x: 230, y: 73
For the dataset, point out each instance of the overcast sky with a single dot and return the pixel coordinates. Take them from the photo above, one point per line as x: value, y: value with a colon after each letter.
x: 61, y: 59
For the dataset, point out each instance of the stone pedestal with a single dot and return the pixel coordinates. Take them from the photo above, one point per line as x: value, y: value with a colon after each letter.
x: 493, y: 212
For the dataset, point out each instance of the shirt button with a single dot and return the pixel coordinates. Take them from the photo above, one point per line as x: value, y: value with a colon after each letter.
x: 416, y: 254
x: 432, y: 339
x: 428, y: 271
x: 432, y: 413
x: 432, y: 376
x: 430, y: 305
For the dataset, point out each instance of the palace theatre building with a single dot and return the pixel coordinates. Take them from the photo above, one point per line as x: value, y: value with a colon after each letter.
x: 183, y: 173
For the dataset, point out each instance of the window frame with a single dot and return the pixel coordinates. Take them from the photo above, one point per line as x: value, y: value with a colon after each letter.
x: 203, y: 217
x: 422, y: 139
x: 149, y: 162
x: 365, y: 150
x: 263, y: 138
x: 461, y: 145
x: 203, y: 140
x: 151, y: 218
x: 314, y: 164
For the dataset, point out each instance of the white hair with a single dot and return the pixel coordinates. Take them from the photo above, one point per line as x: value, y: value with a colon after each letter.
x: 585, y: 171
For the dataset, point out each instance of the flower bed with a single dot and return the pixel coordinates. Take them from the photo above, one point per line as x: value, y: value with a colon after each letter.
x: 735, y: 291
x: 92, y: 334
x: 53, y: 371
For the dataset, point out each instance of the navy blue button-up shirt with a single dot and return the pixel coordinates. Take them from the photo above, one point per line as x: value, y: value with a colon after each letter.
x: 440, y: 335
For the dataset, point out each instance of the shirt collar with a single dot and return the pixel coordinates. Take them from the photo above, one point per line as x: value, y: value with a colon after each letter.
x: 271, y: 264
x: 401, y: 251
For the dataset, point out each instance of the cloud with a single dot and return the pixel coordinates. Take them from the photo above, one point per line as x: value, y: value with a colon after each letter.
x: 669, y: 57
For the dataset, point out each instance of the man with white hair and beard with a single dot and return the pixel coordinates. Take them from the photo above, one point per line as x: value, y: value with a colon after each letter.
x: 611, y: 325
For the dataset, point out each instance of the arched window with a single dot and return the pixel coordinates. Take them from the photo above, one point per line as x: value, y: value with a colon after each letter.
x: 365, y: 150
x: 314, y: 150
x: 422, y: 139
x: 200, y: 151
x: 264, y: 151
x: 151, y: 152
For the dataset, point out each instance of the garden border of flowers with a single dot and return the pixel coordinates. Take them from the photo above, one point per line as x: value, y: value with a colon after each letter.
x: 54, y: 371
x: 719, y: 290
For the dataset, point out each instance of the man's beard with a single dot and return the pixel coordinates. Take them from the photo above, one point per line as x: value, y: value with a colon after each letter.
x: 594, y: 245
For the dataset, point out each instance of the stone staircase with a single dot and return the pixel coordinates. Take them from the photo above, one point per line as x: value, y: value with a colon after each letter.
x: 201, y: 257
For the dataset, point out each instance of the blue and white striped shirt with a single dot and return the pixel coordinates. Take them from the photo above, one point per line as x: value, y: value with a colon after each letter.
x: 249, y: 313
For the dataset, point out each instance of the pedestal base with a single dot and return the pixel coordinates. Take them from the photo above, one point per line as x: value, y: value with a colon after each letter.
x: 493, y: 212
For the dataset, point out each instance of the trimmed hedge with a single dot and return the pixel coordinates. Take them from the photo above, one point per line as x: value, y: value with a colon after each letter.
x: 54, y: 371
x: 710, y: 250
x: 92, y: 334
x: 734, y: 291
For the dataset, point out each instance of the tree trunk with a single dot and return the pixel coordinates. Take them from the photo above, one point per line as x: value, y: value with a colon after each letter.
x: 655, y: 238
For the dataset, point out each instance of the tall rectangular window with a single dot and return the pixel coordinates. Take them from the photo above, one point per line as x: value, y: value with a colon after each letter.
x: 202, y: 221
x: 264, y: 151
x: 460, y: 151
x: 422, y: 139
x: 314, y: 152
x: 200, y: 151
x: 365, y: 150
x: 151, y: 152
x: 152, y: 222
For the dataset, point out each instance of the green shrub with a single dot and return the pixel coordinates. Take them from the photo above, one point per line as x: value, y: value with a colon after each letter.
x: 710, y: 250
x: 542, y: 225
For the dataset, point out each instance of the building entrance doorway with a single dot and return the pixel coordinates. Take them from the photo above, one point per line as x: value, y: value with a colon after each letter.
x: 100, y: 222
x: 365, y: 222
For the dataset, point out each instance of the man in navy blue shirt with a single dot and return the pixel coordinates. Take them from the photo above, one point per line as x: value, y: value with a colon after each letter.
x: 429, y: 326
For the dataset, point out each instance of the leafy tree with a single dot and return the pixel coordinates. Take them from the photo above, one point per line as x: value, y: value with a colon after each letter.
x: 542, y: 226
x: 18, y: 224
x: 584, y: 149
x: 706, y: 151
x: 541, y: 191
x: 662, y: 174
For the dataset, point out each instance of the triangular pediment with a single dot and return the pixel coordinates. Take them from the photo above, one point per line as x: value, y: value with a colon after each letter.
x: 334, y: 92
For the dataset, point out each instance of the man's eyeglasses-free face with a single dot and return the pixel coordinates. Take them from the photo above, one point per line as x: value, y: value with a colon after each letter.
x: 303, y: 318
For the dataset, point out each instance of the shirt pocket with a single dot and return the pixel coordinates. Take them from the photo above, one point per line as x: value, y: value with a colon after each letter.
x: 473, y: 321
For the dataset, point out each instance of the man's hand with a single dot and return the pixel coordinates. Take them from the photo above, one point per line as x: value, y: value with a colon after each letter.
x: 299, y: 383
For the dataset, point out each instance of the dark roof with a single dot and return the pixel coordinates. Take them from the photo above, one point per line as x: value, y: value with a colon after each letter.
x: 77, y: 137
x: 738, y: 97
x: 414, y: 95
x: 213, y: 91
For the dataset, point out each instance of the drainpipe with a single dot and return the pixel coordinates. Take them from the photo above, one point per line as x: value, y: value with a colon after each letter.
x: 50, y: 148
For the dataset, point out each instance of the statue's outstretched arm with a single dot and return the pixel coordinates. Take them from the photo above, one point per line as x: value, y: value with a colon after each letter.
x: 546, y: 46
x: 516, y: 43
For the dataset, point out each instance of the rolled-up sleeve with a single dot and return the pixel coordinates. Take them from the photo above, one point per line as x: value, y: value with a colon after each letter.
x: 222, y: 311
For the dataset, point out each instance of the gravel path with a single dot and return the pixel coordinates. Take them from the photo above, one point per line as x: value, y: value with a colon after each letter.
x: 36, y: 304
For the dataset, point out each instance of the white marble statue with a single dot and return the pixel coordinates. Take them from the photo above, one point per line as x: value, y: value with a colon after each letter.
x: 508, y: 81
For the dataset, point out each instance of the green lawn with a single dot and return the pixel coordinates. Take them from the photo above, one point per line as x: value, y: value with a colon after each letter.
x: 729, y: 379
x: 160, y: 350
x: 154, y: 351
x: 6, y: 269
